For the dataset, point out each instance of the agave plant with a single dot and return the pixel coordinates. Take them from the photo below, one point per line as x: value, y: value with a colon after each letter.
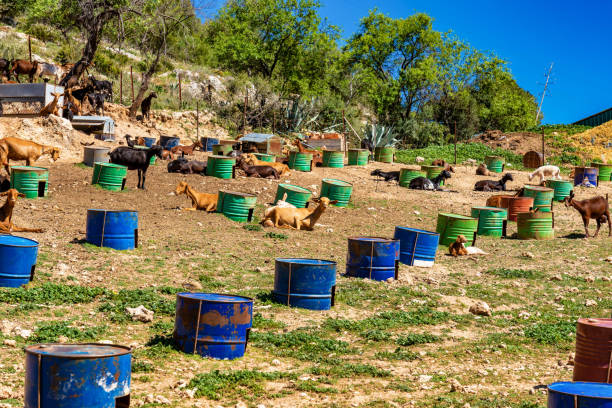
x: 299, y: 114
x: 375, y: 135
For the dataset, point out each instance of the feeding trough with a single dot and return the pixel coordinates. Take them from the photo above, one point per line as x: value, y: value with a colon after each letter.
x: 372, y: 258
x: 305, y: 283
x: 77, y: 376
x: 590, y: 173
x: 417, y: 247
x: 222, y: 149
x: 213, y: 325
x: 593, y: 361
x: 31, y: 181
x: 112, y: 229
x: 168, y: 142
x: 542, y: 197
x: 538, y: 225
x: 149, y: 141
x: 17, y: 260
x: 516, y: 205
x: 208, y: 143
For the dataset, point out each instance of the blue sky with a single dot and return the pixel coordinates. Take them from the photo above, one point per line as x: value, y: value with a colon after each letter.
x: 575, y: 36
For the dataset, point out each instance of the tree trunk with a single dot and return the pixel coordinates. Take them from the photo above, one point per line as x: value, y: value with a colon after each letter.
x: 144, y: 86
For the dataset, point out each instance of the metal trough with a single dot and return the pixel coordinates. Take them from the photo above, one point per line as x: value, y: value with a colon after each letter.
x: 102, y: 126
x: 26, y: 100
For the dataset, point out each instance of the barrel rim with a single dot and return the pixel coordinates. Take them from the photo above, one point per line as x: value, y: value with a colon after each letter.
x: 542, y: 189
x: 358, y: 150
x: 218, y: 156
x: 596, y: 321
x: 319, y: 262
x: 498, y: 209
x: 327, y: 180
x: 495, y: 157
x: 100, y: 210
x: 373, y: 239
x: 264, y: 154
x: 95, y: 148
x: 126, y: 350
x: 302, y: 153
x: 29, y: 168
x: 430, y: 167
x: 36, y: 243
x: 458, y: 216
x: 107, y: 164
x: 553, y: 181
x: 186, y: 295
x: 238, y: 193
x: 588, y: 384
x: 295, y: 188
x: 420, y: 231
x: 535, y: 213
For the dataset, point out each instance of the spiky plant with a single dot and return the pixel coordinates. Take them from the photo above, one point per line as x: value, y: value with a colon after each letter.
x: 375, y: 135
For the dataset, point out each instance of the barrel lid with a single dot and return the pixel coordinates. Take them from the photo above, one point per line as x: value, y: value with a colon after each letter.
x: 106, y: 164
x: 111, y: 211
x: 497, y: 209
x: 305, y: 261
x: 427, y: 166
x: 218, y: 156
x: 585, y: 389
x: 538, y: 188
x: 337, y: 182
x: 332, y: 151
x: 89, y: 350
x: 215, y: 297
x: 141, y: 147
x: 459, y: 216
x: 12, y: 240
x: 599, y: 322
x: 420, y: 231
x: 294, y: 188
x: 96, y: 148
x: 373, y: 239
x: 28, y: 168
x: 237, y: 193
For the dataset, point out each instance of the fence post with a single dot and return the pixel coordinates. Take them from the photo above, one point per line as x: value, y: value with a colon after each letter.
x: 455, y: 142
x: 132, y: 80
x: 198, y: 119
x: 30, y: 47
x: 180, y: 93
x: 121, y: 88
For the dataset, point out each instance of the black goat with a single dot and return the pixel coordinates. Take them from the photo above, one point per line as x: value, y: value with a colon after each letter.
x: 81, y: 94
x: 145, y: 105
x: 5, y: 183
x: 67, y: 111
x: 387, y: 175
x: 96, y: 100
x: 423, y: 183
x: 5, y: 67
x: 258, y: 171
x: 491, y: 185
x: 184, y: 166
x: 135, y: 159
x: 129, y: 141
x: 102, y: 86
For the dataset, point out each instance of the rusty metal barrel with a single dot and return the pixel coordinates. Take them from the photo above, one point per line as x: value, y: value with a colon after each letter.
x: 305, y: 283
x: 579, y: 395
x: 593, y: 361
x: 538, y: 225
x: 372, y: 258
x: 77, y: 376
x: 542, y: 196
x: 213, y: 325
x: 516, y: 205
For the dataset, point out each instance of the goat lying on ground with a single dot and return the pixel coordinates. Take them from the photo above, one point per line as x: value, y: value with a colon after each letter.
x: 184, y: 166
x: 457, y: 248
x: 135, y: 160
x: 482, y: 170
x: 187, y: 149
x: 387, y: 175
x: 6, y: 213
x: 596, y: 208
x: 200, y: 201
x: 258, y: 171
x: 491, y: 185
x: 442, y: 163
x: 13, y: 148
x: 251, y: 159
x: 297, y: 218
x: 546, y: 171
x: 279, y: 204
x: 423, y: 183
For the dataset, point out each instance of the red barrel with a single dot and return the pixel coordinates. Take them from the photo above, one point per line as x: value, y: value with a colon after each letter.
x: 516, y: 205
x: 593, y: 361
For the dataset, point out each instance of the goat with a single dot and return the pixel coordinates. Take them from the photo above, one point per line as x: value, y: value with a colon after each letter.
x: 187, y: 150
x: 139, y: 141
x: 279, y: 204
x: 81, y: 94
x: 135, y: 159
x: 70, y: 99
x: 491, y: 185
x: 71, y: 79
x: 482, y: 170
x: 51, y: 108
x: 5, y: 183
x: 23, y: 67
x: 596, y: 208
x: 387, y: 175
x: 258, y: 171
x: 96, y: 100
x: 183, y: 166
x: 102, y: 86
x: 317, y: 156
x: 5, y: 67
x: 6, y: 213
x: 46, y: 69
x: 129, y: 141
x: 297, y: 218
x: 200, y: 201
x: 496, y: 200
x: 167, y: 155
x: 251, y: 159
x: 67, y: 110
x: 423, y: 183
x: 442, y: 163
x: 13, y: 148
x: 546, y: 171
x: 145, y: 105
x: 457, y: 248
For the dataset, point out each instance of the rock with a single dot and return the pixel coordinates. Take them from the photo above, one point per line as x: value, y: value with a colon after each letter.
x: 528, y: 254
x: 556, y: 278
x: 261, y: 406
x: 419, y: 159
x: 140, y: 314
x: 589, y: 279
x: 456, y: 385
x: 7, y: 327
x: 524, y: 315
x: 425, y: 378
x: 275, y: 362
x: 9, y: 342
x: 608, y: 259
x: 480, y: 308
x: 390, y: 280
x: 259, y: 269
x: 24, y: 333
x: 606, y: 278
x: 241, y: 404
x: 156, y: 399
x: 192, y: 286
x: 63, y: 269
x: 63, y: 339
x: 570, y: 359
x: 590, y: 302
x: 190, y: 393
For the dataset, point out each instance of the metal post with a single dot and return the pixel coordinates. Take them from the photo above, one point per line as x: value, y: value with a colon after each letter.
x: 132, y: 80
x: 121, y: 88
x: 455, y: 142
x: 180, y: 93
x: 246, y: 102
x: 543, y: 156
x: 30, y: 47
x: 198, y: 119
x: 344, y: 133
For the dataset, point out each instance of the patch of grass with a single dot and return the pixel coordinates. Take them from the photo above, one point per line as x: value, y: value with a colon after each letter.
x: 551, y: 333
x: 348, y: 370
x: 252, y: 227
x: 276, y: 235
x: 142, y: 367
x: 398, y: 354
x: 391, y: 319
x: 515, y: 273
x: 416, y: 338
x: 149, y: 298
x: 312, y: 386
x: 51, y: 294
x: 260, y: 322
x: 49, y: 332
x: 303, y: 344
x: 225, y: 384
x: 209, y: 283
x: 375, y: 335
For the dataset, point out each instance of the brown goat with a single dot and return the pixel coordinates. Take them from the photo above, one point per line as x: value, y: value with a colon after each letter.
x: 596, y: 208
x: 13, y: 148
x: 442, y: 163
x: 317, y: 156
x: 187, y: 149
x: 51, y: 108
x: 6, y: 213
x: 457, y: 248
x: 200, y: 201
x: 24, y: 67
x: 482, y: 170
x: 76, y: 104
x: 297, y: 218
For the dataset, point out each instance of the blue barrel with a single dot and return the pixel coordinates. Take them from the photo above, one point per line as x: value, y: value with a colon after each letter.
x: 77, y: 376
x: 580, y: 173
x: 372, y: 258
x: 579, y: 395
x: 213, y: 325
x: 149, y: 141
x: 168, y: 142
x: 17, y: 260
x: 112, y: 229
x: 208, y: 143
x: 306, y: 283
x: 417, y: 247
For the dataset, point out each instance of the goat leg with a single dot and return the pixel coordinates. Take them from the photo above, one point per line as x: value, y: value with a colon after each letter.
x: 598, y: 227
x: 586, y: 220
x: 144, y: 177
x: 15, y: 228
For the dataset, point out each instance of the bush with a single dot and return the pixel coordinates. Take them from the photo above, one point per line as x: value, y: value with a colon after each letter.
x: 476, y: 151
x: 43, y: 33
x: 418, y: 134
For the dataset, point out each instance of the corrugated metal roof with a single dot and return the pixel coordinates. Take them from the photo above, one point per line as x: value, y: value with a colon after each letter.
x: 256, y: 137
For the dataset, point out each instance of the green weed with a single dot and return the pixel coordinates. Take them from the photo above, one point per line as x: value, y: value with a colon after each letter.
x: 306, y: 345
x: 252, y: 227
x: 117, y: 302
x: 348, y: 370
x: 51, y: 294
x: 416, y: 338
x: 223, y: 384
x: 551, y: 333
x: 260, y: 322
x: 398, y: 354
x: 50, y: 332
x: 276, y: 235
x: 515, y: 273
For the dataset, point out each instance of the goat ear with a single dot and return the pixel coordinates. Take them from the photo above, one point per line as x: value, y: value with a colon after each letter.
x: 4, y: 194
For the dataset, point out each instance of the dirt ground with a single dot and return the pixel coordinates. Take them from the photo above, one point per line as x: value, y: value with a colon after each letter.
x: 302, y: 358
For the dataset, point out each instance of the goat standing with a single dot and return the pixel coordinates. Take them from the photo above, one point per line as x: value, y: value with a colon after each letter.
x: 135, y: 160
x: 596, y: 208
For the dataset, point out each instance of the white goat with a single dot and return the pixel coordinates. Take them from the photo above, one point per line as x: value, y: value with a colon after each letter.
x: 280, y: 204
x: 546, y: 171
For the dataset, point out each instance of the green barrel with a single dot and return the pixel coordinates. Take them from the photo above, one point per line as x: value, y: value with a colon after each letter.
x: 605, y: 171
x: 358, y: 157
x: 221, y: 150
x: 451, y: 225
x: 491, y: 220
x: 300, y: 161
x: 537, y: 225
x: 337, y: 190
x: 407, y: 175
x: 236, y: 206
x: 109, y: 176
x: 562, y: 188
x: 270, y: 158
x: 221, y: 167
x: 333, y: 158
x: 495, y: 163
x: 152, y: 161
x: 542, y: 197
x: 296, y: 195
x: 31, y: 181
x: 384, y: 154
x: 433, y: 172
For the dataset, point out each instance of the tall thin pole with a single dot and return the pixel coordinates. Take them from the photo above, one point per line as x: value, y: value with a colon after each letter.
x: 344, y: 133
x: 132, y: 80
x: 273, y: 121
x: 198, y: 119
x: 455, y: 142
x: 121, y: 88
x: 543, y: 157
x: 544, y: 92
x: 30, y: 47
x: 246, y: 102
x: 180, y: 94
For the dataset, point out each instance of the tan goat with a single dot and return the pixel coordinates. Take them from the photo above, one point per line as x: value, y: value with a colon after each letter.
x: 252, y: 160
x: 200, y: 201
x: 297, y: 218
x: 51, y: 108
